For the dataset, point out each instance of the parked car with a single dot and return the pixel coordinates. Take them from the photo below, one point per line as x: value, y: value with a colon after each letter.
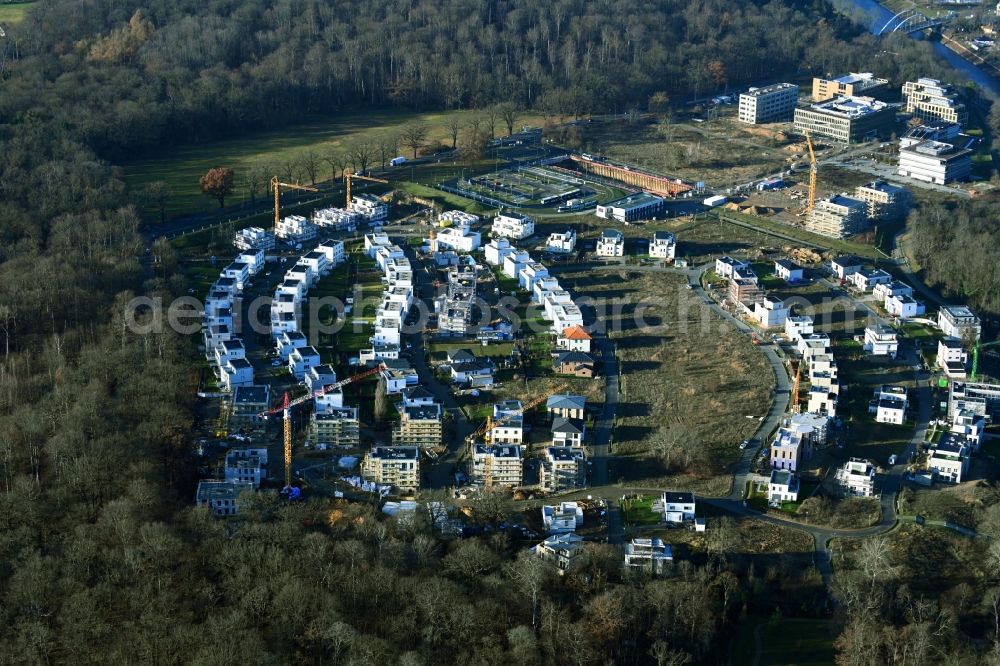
x: 744, y: 444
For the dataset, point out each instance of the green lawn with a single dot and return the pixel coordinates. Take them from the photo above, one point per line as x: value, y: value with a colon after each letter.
x: 639, y: 511
x: 13, y: 13
x: 182, y: 166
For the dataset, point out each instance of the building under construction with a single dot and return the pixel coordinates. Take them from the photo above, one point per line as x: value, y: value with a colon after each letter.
x: 496, y: 465
x: 652, y: 183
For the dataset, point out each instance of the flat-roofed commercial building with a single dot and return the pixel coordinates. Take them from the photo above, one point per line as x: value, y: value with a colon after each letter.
x: 929, y: 99
x: 846, y: 119
x: 770, y: 104
x: 934, y: 161
x: 641, y: 206
x: 849, y: 85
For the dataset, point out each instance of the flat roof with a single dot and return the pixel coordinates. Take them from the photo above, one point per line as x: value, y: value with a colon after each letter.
x: 396, y: 452
x: 254, y: 395
x: 635, y: 200
x: 679, y: 497
x: 849, y: 107
x: 563, y: 453
x: 774, y: 87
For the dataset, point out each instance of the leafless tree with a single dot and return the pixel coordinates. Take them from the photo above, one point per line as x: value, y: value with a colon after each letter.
x: 510, y: 113
x: 310, y: 161
x: 454, y: 127
x: 414, y: 135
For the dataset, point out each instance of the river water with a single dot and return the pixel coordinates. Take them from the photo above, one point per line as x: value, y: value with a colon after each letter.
x: 879, y: 15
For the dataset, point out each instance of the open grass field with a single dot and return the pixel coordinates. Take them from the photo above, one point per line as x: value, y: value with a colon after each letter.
x: 181, y: 167
x: 688, y: 380
x: 12, y: 13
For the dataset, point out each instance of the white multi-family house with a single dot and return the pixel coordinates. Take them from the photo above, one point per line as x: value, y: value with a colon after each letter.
x: 229, y: 350
x: 532, y: 272
x: 566, y: 405
x: 552, y: 299
x: 226, y: 284
x: 340, y: 219
x: 724, y: 266
x: 866, y: 280
x: 254, y: 259
x: 574, y: 338
x: 514, y: 262
x: 562, y: 468
x: 508, y: 420
x: 513, y: 225
x: 678, y: 507
x: 295, y: 229
x: 663, y: 246
x: 457, y: 218
x: 496, y: 250
x: 374, y: 241
x: 648, y: 554
x: 568, y: 432
x: 301, y: 360
x: 845, y: 265
x: 894, y: 288
x: 503, y: 464
x: 334, y: 251
x: 289, y: 342
x: 246, y: 464
x: 813, y: 343
x: 798, y: 326
x: 239, y: 272
x: 952, y: 357
x: 788, y: 449
x: 542, y: 287
x: 302, y: 273
x: 563, y: 518
x: 234, y: 373
x: 562, y: 550
x: 904, y: 307
x: 788, y: 271
x: 566, y: 315
x: 889, y: 404
x: 881, y: 341
x: 317, y: 263
x: 561, y: 243
x: 397, y: 466
x: 386, y: 253
x: 611, y: 244
x: 770, y: 312
x: 949, y: 459
x: 958, y: 321
x: 783, y: 486
x: 320, y: 376
x: 969, y: 426
x: 458, y: 238
x: 822, y: 400
x: 370, y: 207
x: 253, y: 238
x: 857, y: 477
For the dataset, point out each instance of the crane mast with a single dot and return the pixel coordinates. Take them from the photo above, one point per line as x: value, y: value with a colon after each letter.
x: 276, y: 186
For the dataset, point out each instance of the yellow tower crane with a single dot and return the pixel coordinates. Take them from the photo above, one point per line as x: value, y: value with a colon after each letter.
x: 812, y: 174
x: 795, y: 388
x: 348, y: 177
x: 276, y: 186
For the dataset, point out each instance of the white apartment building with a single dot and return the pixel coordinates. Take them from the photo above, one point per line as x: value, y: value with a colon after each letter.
x: 370, y: 207
x: 726, y: 266
x: 459, y: 238
x: 663, y: 246
x: 221, y: 497
x: 513, y: 225
x: 561, y: 243
x: 566, y: 315
x: 334, y: 251
x: 952, y: 357
x: 770, y: 104
x: 562, y: 468
x: 958, y: 321
x: 798, y: 326
x: 889, y: 404
x: 235, y: 373
x: 253, y: 238
x: 770, y: 312
x: 497, y: 465
x: 254, y: 259
x: 302, y: 360
x: 552, y: 299
x: 562, y: 518
x: 295, y: 229
x: 508, y: 419
x: 783, y: 486
x: 531, y: 273
x: 904, y: 307
x: 881, y: 341
x: 611, y: 244
x: 374, y: 241
x: 514, y: 261
x: 857, y: 477
x: 496, y: 250
x: 949, y: 459
x: 398, y: 466
x: 340, y: 219
x: 458, y: 218
x: 886, y: 290
x: 788, y: 448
